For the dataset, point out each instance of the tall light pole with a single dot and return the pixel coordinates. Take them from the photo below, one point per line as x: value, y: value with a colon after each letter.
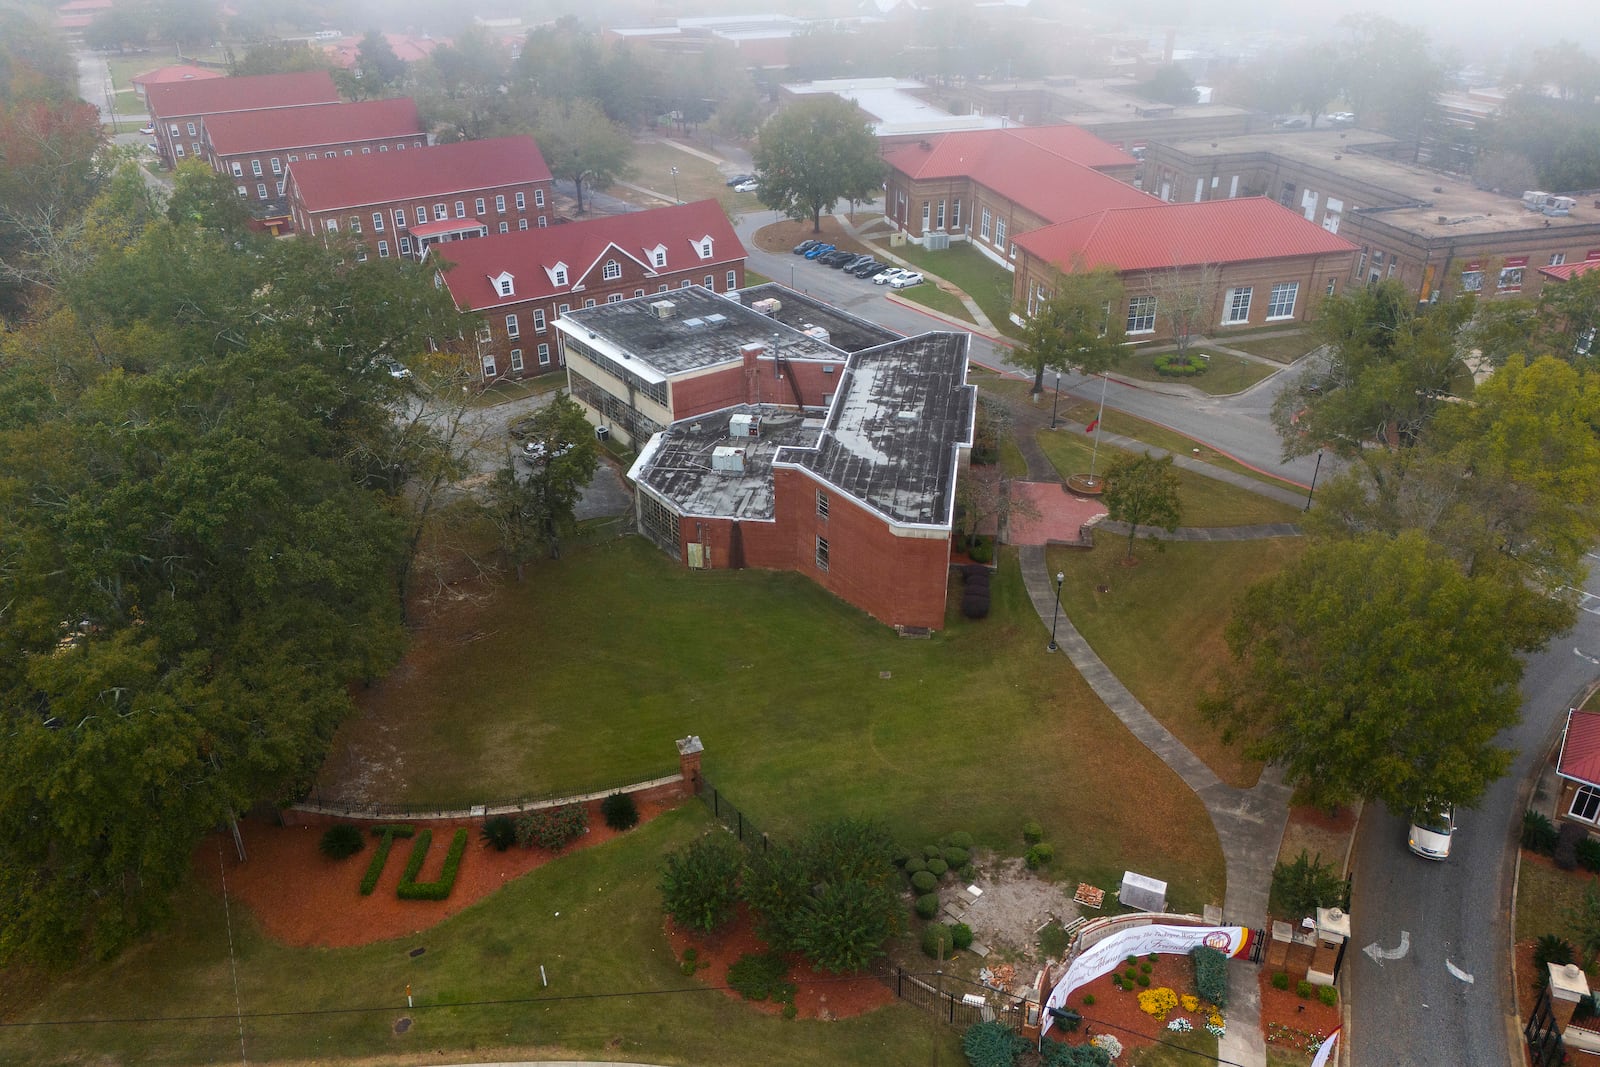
x: 675, y: 195
x: 1056, y: 613
x: 1056, y: 403
x: 1314, y: 472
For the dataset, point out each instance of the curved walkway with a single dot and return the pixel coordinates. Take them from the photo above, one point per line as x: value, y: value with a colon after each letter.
x: 1249, y: 822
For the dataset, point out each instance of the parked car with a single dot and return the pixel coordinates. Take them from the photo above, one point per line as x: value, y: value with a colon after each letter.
x: 883, y: 276
x: 148, y: 130
x: 854, y: 261
x: 1432, y: 827
x: 749, y: 186
x: 805, y: 246
x: 905, y: 280
x: 866, y: 269
x: 1342, y: 118
x: 837, y: 258
x: 740, y: 179
x: 535, y: 451
x: 394, y: 367
x: 819, y: 251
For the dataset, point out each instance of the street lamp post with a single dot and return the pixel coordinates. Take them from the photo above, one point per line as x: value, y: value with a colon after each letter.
x: 1056, y: 403
x: 1314, y: 472
x: 1056, y: 613
x: 675, y: 195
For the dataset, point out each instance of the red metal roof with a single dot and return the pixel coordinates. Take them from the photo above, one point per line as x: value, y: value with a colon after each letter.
x: 312, y: 126
x: 1568, y: 271
x: 1162, y: 235
x: 178, y: 72
x: 1048, y: 170
x: 1580, y: 748
x: 219, y: 95
x: 433, y: 229
x: 529, y: 255
x: 346, y: 51
x: 442, y: 170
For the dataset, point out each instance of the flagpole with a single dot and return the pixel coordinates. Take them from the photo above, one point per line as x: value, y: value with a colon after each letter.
x: 1095, y: 455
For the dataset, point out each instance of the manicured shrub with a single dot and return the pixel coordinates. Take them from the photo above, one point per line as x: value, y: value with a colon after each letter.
x: 1172, y: 365
x: 932, y: 852
x: 411, y: 889
x: 619, y: 811
x: 700, y: 882
x: 900, y: 857
x: 1132, y: 961
x: 960, y: 839
x: 924, y: 881
x: 1538, y: 832
x: 687, y: 967
x: 1588, y: 853
x: 1143, y: 979
x: 341, y: 841
x: 1566, y: 851
x: 1210, y: 975
x: 1550, y: 948
x: 385, y: 835
x: 937, y: 868
x: 1130, y: 975
x: 1304, y: 989
x: 982, y: 552
x: 1154, y: 957
x: 760, y: 976
x: 1144, y: 968
x: 1032, y: 832
x: 552, y: 828
x: 1328, y: 995
x: 1302, y: 885
x: 691, y: 954
x: 1088, y: 1000
x: 915, y: 864
x: 500, y: 832
x: 927, y: 905
x: 1116, y: 980
x: 790, y: 1011
x: 955, y: 857
x: 937, y: 941
x: 993, y: 1045
x: 961, y: 936
x: 1280, y: 980
x: 1038, y: 855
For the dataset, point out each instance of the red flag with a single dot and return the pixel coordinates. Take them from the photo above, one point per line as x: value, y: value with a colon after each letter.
x: 1090, y: 428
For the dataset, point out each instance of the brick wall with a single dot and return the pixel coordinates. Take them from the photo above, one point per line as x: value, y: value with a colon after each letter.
x: 536, y: 212
x: 241, y: 167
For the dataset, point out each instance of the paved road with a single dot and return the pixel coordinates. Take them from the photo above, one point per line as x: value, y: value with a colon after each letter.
x: 1412, y: 1011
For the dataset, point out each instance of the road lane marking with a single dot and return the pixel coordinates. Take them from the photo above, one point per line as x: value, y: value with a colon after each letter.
x: 1457, y: 972
x: 1379, y: 953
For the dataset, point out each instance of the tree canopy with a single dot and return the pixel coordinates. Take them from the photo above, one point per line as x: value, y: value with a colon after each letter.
x: 583, y: 146
x: 1071, y: 326
x: 1143, y: 491
x: 815, y: 153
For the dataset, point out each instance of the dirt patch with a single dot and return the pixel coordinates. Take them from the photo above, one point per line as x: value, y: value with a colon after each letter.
x: 818, y: 995
x: 1014, y: 905
x: 783, y: 236
x: 304, y: 899
x: 1288, y: 1022
x: 1319, y: 833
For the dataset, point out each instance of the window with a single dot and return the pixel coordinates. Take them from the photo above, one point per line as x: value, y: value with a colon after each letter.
x: 1471, y: 281
x: 538, y: 198
x: 538, y: 320
x: 332, y: 225
x: 705, y: 248
x: 355, y: 223
x: 485, y: 334
x: 544, y: 355
x: 505, y: 227
x: 366, y: 150
x: 504, y: 285
x: 562, y: 309
x: 939, y: 216
x: 361, y: 254
x: 174, y: 129
x: 612, y: 270
x: 513, y: 331
x: 191, y: 129
x: 658, y: 257
x: 477, y: 206
x: 1557, y: 259
x: 422, y: 216
x: 822, y: 553
x: 280, y: 188
x: 638, y: 292
x: 405, y: 246
x: 277, y: 165
x: 983, y: 227
x: 489, y: 369
x: 1038, y: 296
x: 1585, y: 803
x: 1284, y: 294
x: 238, y: 170
x: 733, y: 280
x: 955, y: 214
x: 178, y: 150
x: 927, y: 215
x: 399, y: 218
x: 522, y: 224
x: 1238, y: 305
x: 1361, y: 262
x: 261, y: 190
x: 522, y: 201
x: 500, y: 203
x: 440, y: 213
x: 294, y: 157
x: 242, y: 191
x: 516, y: 361
x: 822, y: 504
x: 349, y: 151
x: 559, y: 274
x: 1142, y: 314
x: 255, y: 168
x: 685, y: 284
x: 663, y: 287
x: 1511, y: 278
x: 709, y: 282
x: 614, y: 298
x: 311, y: 155
x: 383, y: 249
x: 541, y: 222
x: 1000, y: 233
x: 1333, y: 284
x: 589, y: 303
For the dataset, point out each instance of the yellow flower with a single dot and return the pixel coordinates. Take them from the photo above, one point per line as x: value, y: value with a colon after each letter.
x: 1157, y: 1002
x: 1216, y: 1018
x: 1190, y: 1002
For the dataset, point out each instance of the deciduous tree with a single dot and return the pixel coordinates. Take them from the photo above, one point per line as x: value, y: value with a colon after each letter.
x: 1186, y: 300
x: 815, y: 153
x: 583, y: 146
x: 1071, y: 326
x: 1143, y: 491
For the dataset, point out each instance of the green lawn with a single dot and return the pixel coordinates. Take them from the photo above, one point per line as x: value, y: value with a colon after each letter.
x: 931, y: 296
x: 1177, y: 1050
x: 1545, y: 896
x: 1158, y: 625
x: 591, y: 919
x: 1205, y: 501
x: 651, y: 164
x: 1226, y: 375
x: 963, y: 266
x: 1285, y: 348
x: 582, y: 676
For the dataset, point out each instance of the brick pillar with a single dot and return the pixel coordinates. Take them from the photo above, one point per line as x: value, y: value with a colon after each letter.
x: 689, y: 752
x: 1568, y: 985
x: 751, y: 355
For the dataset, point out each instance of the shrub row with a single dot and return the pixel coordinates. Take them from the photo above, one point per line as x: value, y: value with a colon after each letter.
x: 411, y: 889
x: 552, y: 828
x: 385, y: 835
x: 1210, y: 975
x: 1188, y: 365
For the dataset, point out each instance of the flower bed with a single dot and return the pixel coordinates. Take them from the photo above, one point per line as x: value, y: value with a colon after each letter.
x: 1139, y: 1016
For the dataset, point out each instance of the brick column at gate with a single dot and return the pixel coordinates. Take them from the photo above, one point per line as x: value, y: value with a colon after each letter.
x: 689, y: 752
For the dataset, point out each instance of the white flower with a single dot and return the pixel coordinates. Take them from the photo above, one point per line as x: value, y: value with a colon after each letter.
x: 1107, y: 1043
x: 1180, y: 1026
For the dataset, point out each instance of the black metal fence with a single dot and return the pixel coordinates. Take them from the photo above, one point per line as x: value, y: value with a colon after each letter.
x: 945, y: 998
x: 735, y: 820
x: 334, y: 805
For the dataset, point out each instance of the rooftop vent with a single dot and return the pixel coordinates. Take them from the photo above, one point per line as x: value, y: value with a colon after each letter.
x: 694, y: 323
x: 768, y: 306
x: 716, y: 320
x: 663, y: 308
x: 906, y: 416
x: 818, y: 333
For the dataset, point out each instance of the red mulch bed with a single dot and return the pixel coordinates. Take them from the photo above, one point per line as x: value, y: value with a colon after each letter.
x: 819, y: 995
x: 302, y: 898
x: 1117, y: 1012
x: 1304, y: 1023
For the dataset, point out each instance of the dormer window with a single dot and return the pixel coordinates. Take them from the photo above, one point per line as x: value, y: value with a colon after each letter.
x: 558, y: 274
x: 612, y: 270
x: 703, y: 246
x: 658, y: 256
x: 504, y: 284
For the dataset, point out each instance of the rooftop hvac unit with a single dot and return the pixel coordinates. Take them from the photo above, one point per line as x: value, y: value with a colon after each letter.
x: 663, y: 308
x: 743, y: 425
x: 602, y: 433
x: 936, y: 242
x: 1559, y: 205
x: 1534, y: 200
x: 768, y: 305
x: 694, y: 323
x: 727, y: 458
x: 819, y: 333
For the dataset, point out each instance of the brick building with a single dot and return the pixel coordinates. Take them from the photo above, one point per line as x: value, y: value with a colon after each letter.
x: 256, y: 148
x: 179, y: 110
x: 1270, y: 264
x: 522, y: 283
x: 648, y: 362
x: 403, y: 203
x: 858, y: 496
x: 1440, y: 236
x: 988, y: 186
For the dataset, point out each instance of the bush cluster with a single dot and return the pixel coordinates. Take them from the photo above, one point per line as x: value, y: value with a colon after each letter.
x: 619, y: 811
x: 938, y: 867
x: 1172, y: 365
x: 341, y: 841
x: 937, y: 941
x: 1032, y: 832
x: 1038, y: 855
x: 385, y: 835
x: 761, y: 976
x: 1304, y: 989
x: 1302, y: 885
x: 960, y: 839
x: 1566, y: 851
x: 552, y: 828
x: 1280, y: 980
x: 411, y: 889
x: 1588, y: 853
x: 500, y: 832
x: 993, y: 1045
x: 915, y: 864
x: 1538, y: 832
x: 924, y: 881
x: 700, y: 882
x: 1328, y: 995
x: 927, y: 905
x: 975, y: 598
x: 1550, y: 948
x: 1210, y: 975
x: 956, y: 857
